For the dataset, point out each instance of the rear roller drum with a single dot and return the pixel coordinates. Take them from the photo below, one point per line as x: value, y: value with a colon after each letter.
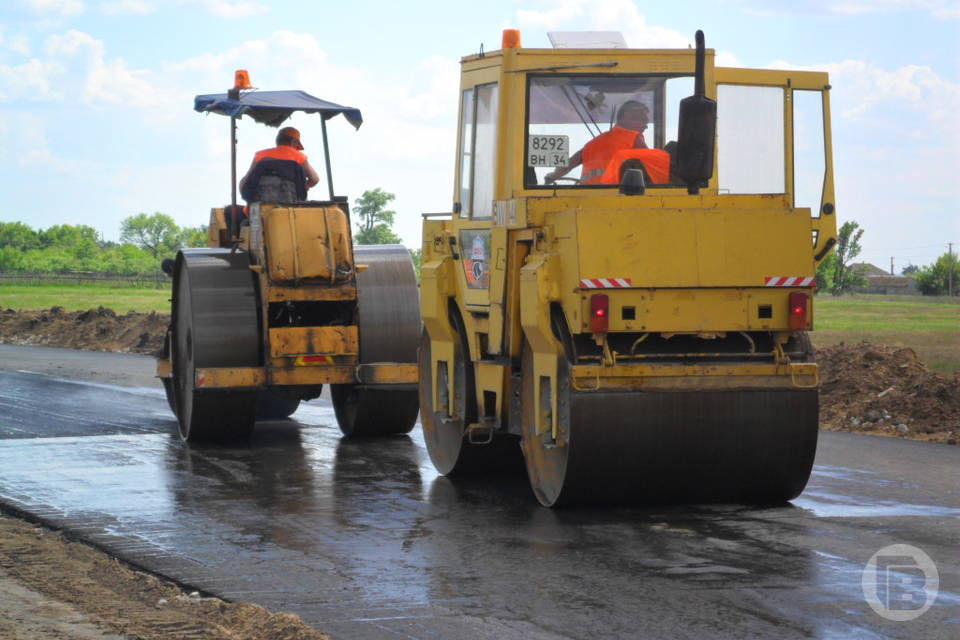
x: 373, y: 412
x: 214, y: 325
x: 753, y: 446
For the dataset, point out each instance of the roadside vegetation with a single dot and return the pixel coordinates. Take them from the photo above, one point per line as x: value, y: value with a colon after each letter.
x: 80, y: 297
x: 930, y: 326
x: 144, y: 240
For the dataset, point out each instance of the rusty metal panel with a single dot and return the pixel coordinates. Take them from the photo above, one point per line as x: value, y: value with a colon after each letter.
x: 231, y: 377
x: 339, y: 374
x: 296, y: 341
x: 388, y: 373
x: 308, y: 242
x: 325, y: 291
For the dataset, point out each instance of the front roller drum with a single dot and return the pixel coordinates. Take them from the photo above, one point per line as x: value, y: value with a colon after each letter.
x: 746, y: 446
x: 388, y: 319
x: 445, y: 429
x: 214, y: 324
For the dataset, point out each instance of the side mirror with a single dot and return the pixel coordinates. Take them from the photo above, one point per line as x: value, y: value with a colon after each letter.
x: 697, y: 130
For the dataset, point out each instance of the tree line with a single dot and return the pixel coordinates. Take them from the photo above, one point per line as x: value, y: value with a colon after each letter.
x: 144, y: 240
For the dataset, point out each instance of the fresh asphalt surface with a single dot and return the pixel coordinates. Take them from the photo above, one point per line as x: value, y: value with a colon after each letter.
x: 363, y: 539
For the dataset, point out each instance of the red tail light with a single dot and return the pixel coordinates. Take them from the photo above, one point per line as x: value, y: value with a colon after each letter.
x: 599, y: 312
x: 798, y: 310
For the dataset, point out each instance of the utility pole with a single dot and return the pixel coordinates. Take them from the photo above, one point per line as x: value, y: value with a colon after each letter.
x: 891, y: 265
x: 950, y: 269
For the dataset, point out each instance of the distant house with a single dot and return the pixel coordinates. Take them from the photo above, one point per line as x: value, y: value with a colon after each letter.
x: 881, y: 282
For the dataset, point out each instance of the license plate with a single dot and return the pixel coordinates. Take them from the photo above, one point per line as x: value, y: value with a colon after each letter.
x: 548, y: 151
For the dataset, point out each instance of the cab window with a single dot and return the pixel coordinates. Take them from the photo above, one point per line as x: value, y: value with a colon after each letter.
x: 627, y: 121
x: 478, y: 136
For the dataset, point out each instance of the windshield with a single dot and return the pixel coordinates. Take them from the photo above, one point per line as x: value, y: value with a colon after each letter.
x: 585, y: 130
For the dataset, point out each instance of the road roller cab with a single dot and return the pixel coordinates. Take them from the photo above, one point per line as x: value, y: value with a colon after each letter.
x: 281, y: 303
x: 633, y: 320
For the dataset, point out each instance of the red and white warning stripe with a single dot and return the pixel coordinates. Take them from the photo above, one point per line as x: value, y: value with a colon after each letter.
x: 605, y: 283
x: 780, y: 281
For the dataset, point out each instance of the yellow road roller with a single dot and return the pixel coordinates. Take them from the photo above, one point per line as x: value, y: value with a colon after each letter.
x: 623, y: 291
x: 281, y: 303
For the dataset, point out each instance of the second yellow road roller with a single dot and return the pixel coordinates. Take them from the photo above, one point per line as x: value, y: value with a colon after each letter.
x: 281, y: 302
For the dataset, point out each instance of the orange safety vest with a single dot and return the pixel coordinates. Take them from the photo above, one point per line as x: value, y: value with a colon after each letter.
x: 655, y: 161
x: 596, y: 154
x: 283, y: 152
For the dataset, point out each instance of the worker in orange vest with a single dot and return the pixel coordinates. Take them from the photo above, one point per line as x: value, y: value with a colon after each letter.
x: 632, y: 118
x: 280, y: 174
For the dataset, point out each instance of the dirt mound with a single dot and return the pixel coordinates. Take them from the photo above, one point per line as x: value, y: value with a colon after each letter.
x: 96, y: 329
x: 874, y: 388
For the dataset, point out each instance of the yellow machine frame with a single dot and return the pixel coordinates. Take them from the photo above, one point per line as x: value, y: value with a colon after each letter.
x: 538, y: 252
x: 297, y: 356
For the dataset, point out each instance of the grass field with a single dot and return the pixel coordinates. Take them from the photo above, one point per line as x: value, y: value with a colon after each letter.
x: 81, y: 297
x: 930, y: 326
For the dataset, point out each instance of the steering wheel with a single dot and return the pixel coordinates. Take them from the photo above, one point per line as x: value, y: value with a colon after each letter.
x: 567, y: 178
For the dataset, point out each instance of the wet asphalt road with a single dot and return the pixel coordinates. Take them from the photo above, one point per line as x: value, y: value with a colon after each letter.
x: 365, y: 540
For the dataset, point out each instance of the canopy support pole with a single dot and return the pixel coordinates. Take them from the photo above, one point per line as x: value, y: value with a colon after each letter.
x: 326, y: 156
x: 234, y: 218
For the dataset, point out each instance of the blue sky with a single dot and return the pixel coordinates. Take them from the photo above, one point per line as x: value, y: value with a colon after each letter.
x: 96, y: 97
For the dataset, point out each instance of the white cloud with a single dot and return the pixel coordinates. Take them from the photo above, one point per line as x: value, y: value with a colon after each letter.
x: 940, y: 9
x: 230, y: 8
x: 29, y: 81
x: 614, y: 15
x: 17, y: 44
x: 61, y: 7
x: 81, y: 57
x: 126, y: 7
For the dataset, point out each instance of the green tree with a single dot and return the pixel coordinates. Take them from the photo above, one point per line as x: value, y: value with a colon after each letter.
x: 81, y: 241
x: 156, y: 233
x: 909, y: 269
x: 193, y: 237
x: 827, y: 273
x: 11, y: 259
x: 415, y: 254
x: 376, y: 222
x: 17, y: 235
x: 846, y: 277
x: 935, y: 279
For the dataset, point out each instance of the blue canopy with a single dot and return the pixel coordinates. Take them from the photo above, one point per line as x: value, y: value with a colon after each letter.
x: 273, y: 107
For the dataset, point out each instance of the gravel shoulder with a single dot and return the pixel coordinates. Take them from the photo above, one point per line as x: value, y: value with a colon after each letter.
x: 52, y: 587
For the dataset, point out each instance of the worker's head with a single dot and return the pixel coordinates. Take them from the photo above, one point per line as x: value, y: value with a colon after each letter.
x: 290, y: 137
x: 633, y: 115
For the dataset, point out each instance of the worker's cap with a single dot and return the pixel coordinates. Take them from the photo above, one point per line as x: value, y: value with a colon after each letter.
x: 293, y: 134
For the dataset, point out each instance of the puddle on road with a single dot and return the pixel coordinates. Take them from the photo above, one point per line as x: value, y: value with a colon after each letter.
x: 833, y: 509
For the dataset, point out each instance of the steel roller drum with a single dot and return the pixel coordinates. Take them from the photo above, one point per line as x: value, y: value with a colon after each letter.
x: 388, y: 308
x: 215, y: 324
x: 389, y: 304
x: 738, y: 445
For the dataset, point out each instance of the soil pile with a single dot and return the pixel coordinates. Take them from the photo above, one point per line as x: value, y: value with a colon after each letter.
x: 874, y: 388
x: 97, y: 329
